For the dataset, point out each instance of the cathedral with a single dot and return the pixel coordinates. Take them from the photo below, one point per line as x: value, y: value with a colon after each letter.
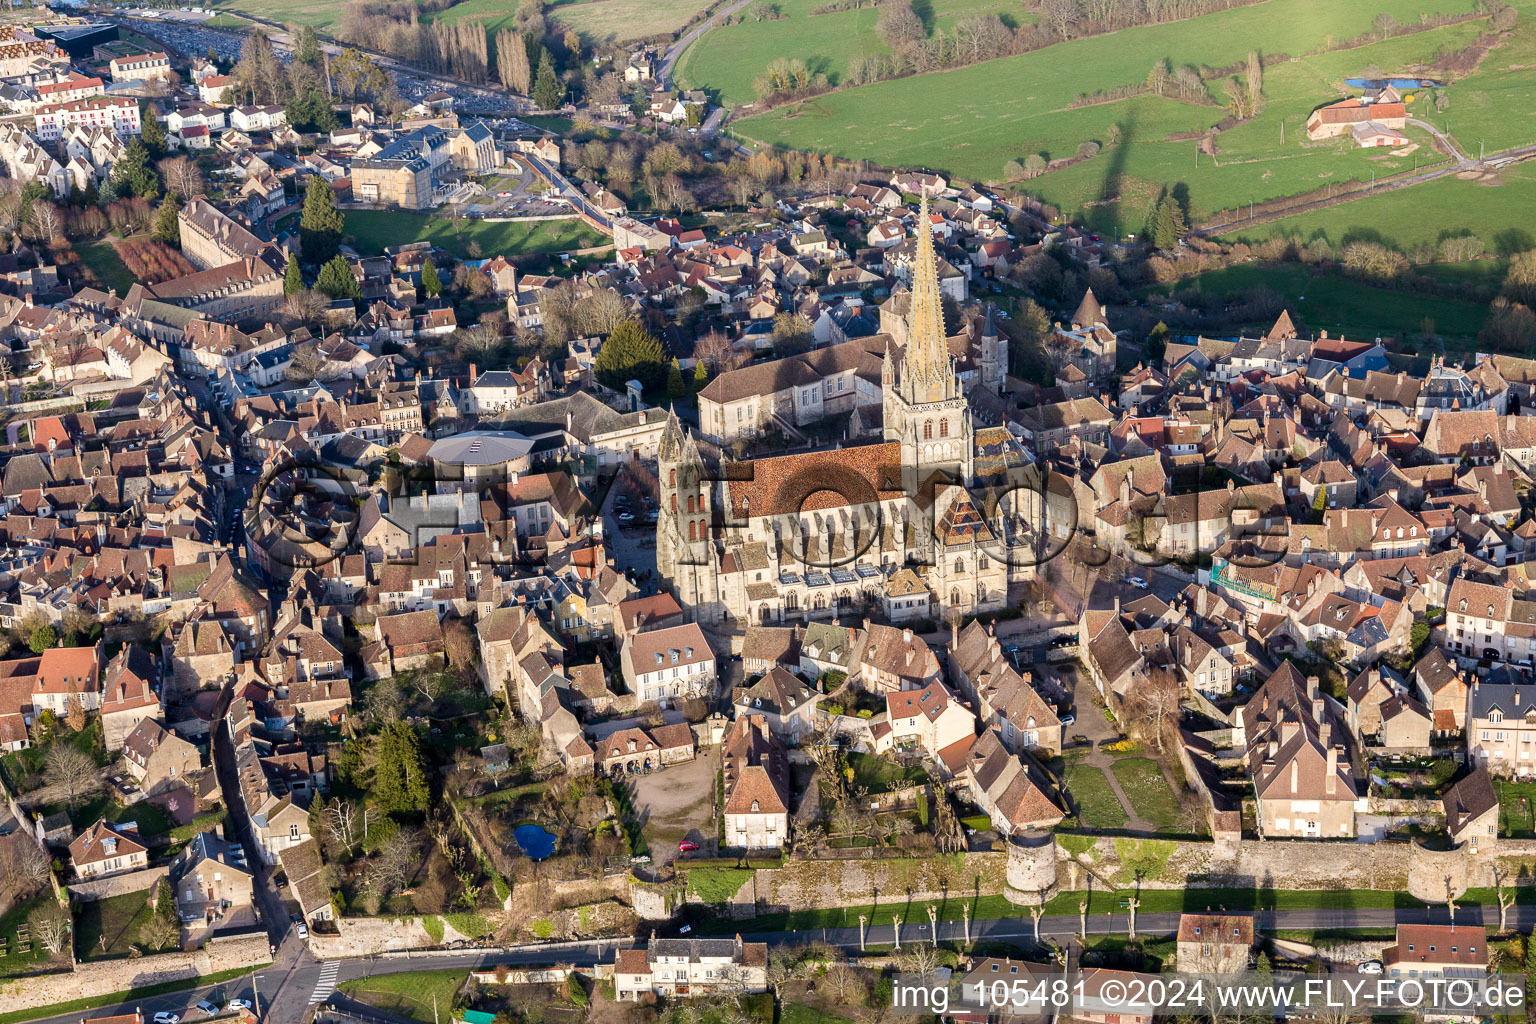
x: 918, y: 527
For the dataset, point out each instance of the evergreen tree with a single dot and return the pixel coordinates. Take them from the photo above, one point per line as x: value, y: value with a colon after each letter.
x: 167, y: 228
x: 1162, y: 231
x: 1320, y: 503
x: 336, y: 280
x: 311, y: 112
x: 42, y: 638
x: 153, y: 134
x: 309, y: 47
x: 1157, y: 340
x: 132, y: 175
x: 546, y: 86
x: 400, y: 780
x: 1031, y: 328
x: 630, y: 354
x: 293, y: 277
x: 677, y: 388
x: 431, y: 284
x: 700, y: 376
x: 320, y: 224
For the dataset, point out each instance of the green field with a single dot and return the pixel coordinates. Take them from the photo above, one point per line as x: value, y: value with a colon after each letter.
x: 1500, y: 214
x: 973, y: 120
x: 1344, y: 306
x: 321, y: 16
x: 1097, y: 806
x: 107, y: 929
x: 1144, y: 786
x: 410, y: 994
x: 727, y: 58
x: 101, y: 257
x: 376, y: 229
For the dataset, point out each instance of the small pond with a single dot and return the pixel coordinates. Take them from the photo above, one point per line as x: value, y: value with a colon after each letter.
x: 534, y: 841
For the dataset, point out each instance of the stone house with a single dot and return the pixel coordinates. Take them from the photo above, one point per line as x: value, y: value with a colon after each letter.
x: 104, y: 849
x: 755, y: 769
x: 785, y: 701
x: 157, y: 757
x: 631, y: 750
x: 1472, y: 811
x: 663, y: 664
x: 1214, y: 943
x: 1501, y: 728
x: 128, y: 694
x: 896, y: 659
x: 209, y: 877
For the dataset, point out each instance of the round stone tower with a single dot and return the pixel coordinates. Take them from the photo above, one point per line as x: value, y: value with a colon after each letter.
x: 1031, y: 867
x: 1436, y: 876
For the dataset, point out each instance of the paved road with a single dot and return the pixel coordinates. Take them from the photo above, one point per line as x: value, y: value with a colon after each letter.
x: 308, y: 981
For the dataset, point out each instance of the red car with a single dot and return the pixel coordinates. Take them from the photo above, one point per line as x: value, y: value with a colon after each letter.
x: 687, y: 846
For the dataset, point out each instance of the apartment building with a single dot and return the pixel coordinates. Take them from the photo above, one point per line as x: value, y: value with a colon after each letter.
x: 140, y: 67
x: 53, y: 120
x: 1501, y: 727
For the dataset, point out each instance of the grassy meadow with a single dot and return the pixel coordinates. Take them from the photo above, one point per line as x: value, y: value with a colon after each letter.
x: 973, y: 120
x: 376, y: 229
x: 1344, y: 306
x: 1501, y: 210
x: 727, y: 58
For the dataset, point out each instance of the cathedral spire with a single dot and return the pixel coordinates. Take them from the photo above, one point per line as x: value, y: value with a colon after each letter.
x: 926, y: 361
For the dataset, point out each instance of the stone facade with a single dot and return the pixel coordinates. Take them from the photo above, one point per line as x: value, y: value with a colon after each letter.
x: 116, y: 885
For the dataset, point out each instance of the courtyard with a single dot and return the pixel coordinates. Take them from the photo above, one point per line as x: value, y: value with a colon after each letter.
x: 678, y: 803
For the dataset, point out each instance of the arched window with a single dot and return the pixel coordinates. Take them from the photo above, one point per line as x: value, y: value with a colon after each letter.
x: 672, y: 478
x: 693, y: 530
x: 674, y: 504
x: 927, y: 429
x: 959, y: 566
x: 954, y: 596
x: 943, y: 428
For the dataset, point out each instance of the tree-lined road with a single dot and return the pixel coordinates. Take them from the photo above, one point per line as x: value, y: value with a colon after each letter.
x: 289, y: 989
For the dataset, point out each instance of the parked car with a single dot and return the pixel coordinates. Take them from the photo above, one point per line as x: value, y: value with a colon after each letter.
x: 1138, y: 583
x: 299, y: 926
x: 626, y: 518
x: 1370, y: 967
x: 167, y: 1017
x: 237, y: 1004
x: 687, y: 846
x: 209, y: 1008
x: 1068, y: 719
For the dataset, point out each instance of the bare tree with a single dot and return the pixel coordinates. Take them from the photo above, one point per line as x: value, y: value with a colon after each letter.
x: 308, y: 362
x: 182, y: 176
x: 160, y: 931
x: 393, y: 865
x: 346, y: 821
x: 306, y: 305
x: 1156, y: 703
x: 1062, y: 16
x: 479, y: 342
x: 49, y: 926
x: 46, y: 221
x: 72, y: 771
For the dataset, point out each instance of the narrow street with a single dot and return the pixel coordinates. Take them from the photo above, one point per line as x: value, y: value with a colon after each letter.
x: 283, y: 1001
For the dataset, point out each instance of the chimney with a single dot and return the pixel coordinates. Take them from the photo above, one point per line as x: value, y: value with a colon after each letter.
x: 1317, y: 709
x: 1312, y: 687
x: 1517, y: 696
x: 906, y: 635
x: 472, y: 373
x: 1117, y: 606
x: 1331, y: 784
x: 1325, y: 734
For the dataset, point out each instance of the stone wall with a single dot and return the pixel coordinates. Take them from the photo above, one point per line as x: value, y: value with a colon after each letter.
x: 117, y: 885
x: 801, y: 885
x: 105, y: 977
x: 1276, y: 864
x: 361, y: 936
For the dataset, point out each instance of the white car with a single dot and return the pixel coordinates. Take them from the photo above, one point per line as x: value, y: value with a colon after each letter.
x: 1370, y: 967
x: 167, y: 1017
x: 1138, y: 583
x: 237, y: 1004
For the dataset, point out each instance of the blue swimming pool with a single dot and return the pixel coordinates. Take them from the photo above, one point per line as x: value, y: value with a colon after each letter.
x: 534, y: 841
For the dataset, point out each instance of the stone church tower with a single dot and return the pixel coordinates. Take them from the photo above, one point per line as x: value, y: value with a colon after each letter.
x: 684, y: 552
x: 925, y: 408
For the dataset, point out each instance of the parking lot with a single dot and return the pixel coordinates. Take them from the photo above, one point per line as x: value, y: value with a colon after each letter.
x: 515, y: 192
x: 678, y: 803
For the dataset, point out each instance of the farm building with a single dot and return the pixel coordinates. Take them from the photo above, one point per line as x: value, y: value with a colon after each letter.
x: 1338, y: 118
